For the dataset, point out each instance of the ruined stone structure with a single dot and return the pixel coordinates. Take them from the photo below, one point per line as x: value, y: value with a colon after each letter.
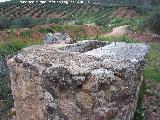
x: 57, y: 38
x: 89, y: 80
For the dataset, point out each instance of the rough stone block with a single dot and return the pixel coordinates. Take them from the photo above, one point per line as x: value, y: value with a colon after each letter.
x: 89, y: 80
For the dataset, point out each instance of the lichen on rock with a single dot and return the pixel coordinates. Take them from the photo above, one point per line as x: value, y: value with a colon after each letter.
x: 86, y: 80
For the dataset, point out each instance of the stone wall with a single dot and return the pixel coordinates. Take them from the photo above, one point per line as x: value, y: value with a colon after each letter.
x: 89, y: 80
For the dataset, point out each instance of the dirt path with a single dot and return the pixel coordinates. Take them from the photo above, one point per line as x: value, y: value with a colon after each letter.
x: 118, y: 31
x: 138, y: 36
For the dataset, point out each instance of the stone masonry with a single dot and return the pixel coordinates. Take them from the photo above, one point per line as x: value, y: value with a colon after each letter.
x: 88, y: 80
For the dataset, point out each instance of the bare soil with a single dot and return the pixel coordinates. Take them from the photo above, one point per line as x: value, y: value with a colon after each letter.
x: 118, y: 31
x: 143, y: 37
x: 124, y: 12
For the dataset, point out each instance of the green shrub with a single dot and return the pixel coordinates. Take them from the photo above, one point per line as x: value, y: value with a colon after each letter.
x: 152, y: 23
x: 4, y: 23
x: 41, y: 21
x: 25, y: 34
x: 24, y: 22
x: 116, y: 21
x: 152, y: 71
x: 57, y: 28
x: 55, y: 20
x: 46, y: 30
x: 79, y: 22
x: 50, y: 20
x: 10, y: 47
x: 124, y: 39
x: 100, y: 22
x: 83, y: 37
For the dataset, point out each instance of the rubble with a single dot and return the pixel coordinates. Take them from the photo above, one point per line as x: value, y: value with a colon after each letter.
x: 57, y: 38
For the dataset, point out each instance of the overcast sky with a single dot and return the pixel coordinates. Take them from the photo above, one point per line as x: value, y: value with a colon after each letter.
x: 4, y: 0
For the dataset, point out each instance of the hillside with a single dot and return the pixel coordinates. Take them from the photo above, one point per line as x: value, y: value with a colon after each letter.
x: 53, y: 10
x: 28, y: 15
x: 57, y: 10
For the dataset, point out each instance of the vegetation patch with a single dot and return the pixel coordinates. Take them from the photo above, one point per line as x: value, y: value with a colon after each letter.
x: 152, y: 23
x: 123, y: 38
x: 26, y: 34
x: 152, y: 70
x: 139, y: 113
x: 4, y: 23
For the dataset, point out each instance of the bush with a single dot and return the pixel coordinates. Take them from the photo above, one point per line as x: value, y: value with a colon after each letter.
x: 152, y: 23
x: 24, y: 22
x: 4, y: 23
x: 116, y: 21
x: 57, y: 28
x: 100, y: 22
x: 79, y: 22
x: 55, y: 20
x: 10, y: 47
x: 50, y: 20
x: 26, y: 34
x: 46, y: 30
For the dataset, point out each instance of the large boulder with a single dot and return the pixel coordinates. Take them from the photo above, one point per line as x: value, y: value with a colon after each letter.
x: 64, y: 82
